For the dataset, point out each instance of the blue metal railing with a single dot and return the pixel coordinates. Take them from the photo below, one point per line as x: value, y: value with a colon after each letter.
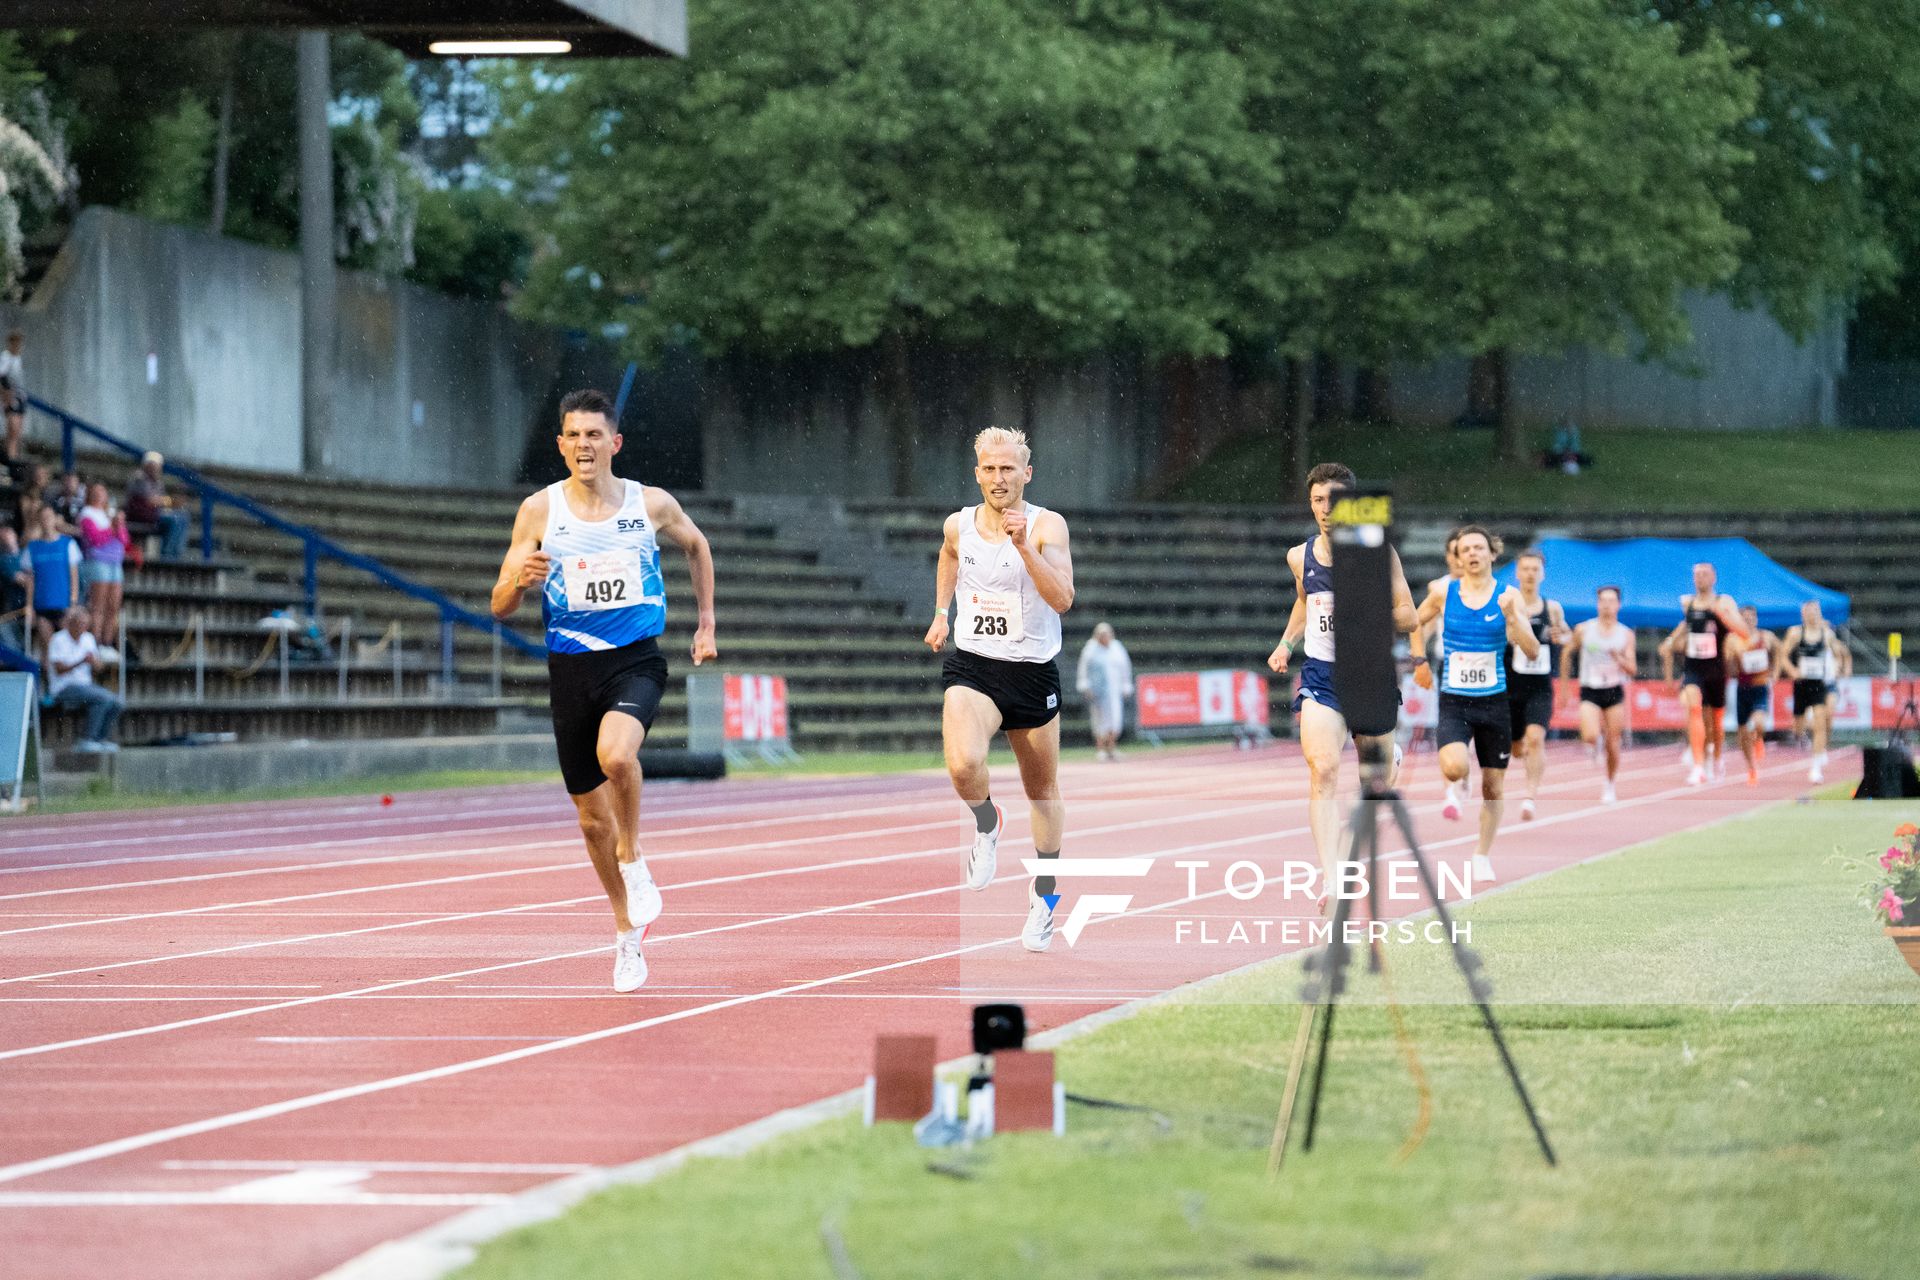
x: 11, y: 659
x: 316, y: 546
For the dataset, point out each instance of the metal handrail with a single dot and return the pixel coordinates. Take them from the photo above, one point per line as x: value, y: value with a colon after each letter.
x: 315, y: 545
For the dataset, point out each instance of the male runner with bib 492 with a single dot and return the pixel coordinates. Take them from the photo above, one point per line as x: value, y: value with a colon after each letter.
x: 1480, y: 622
x: 590, y: 545
x: 1006, y: 563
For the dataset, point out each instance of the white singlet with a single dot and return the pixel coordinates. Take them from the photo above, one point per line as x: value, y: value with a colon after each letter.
x: 1599, y: 668
x: 1001, y: 613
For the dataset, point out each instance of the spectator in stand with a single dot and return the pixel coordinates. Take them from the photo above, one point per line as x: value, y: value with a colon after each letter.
x: 16, y: 592
x: 149, y: 507
x: 13, y: 393
x: 105, y: 540
x: 10, y: 497
x: 73, y: 658
x: 55, y: 560
x: 66, y: 498
x: 1105, y: 679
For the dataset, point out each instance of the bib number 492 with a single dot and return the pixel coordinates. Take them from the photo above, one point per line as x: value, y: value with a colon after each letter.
x: 605, y: 591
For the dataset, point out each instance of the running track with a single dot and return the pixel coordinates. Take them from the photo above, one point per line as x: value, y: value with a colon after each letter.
x: 257, y: 1040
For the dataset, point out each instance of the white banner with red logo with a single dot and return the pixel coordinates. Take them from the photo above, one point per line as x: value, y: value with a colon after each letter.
x: 1201, y: 699
x: 754, y: 708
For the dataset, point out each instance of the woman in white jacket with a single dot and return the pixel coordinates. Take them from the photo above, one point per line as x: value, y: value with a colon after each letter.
x: 1105, y: 679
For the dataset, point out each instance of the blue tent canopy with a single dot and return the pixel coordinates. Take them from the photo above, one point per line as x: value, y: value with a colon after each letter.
x: 1653, y: 573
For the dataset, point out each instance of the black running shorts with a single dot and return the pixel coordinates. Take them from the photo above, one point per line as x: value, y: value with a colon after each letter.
x: 1026, y: 693
x: 1808, y: 694
x: 1605, y: 699
x: 585, y: 687
x: 1529, y: 702
x: 1712, y: 686
x: 1484, y: 721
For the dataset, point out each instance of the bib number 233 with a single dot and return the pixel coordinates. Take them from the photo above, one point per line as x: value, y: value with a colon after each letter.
x: 604, y: 580
x: 992, y: 614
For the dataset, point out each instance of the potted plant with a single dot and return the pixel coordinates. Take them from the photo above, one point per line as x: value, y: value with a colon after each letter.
x: 1895, y: 892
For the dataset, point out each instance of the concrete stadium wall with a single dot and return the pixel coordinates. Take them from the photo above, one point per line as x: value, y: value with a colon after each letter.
x: 427, y: 388
x: 1743, y: 371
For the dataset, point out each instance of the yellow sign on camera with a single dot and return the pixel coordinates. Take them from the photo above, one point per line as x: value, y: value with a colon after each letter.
x: 1359, y: 511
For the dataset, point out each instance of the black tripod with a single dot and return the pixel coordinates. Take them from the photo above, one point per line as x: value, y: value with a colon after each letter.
x: 1326, y: 979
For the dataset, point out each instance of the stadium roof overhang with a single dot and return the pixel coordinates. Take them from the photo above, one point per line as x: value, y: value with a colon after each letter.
x: 590, y: 28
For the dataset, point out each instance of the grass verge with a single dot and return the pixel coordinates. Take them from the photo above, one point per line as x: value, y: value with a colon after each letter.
x: 1635, y: 470
x: 1724, y: 1063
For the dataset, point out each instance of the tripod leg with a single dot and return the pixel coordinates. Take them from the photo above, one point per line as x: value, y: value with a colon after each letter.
x: 1333, y: 973
x: 1296, y: 1066
x: 1468, y: 964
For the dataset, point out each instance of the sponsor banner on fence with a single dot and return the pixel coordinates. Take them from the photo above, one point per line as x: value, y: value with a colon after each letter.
x: 755, y: 708
x: 1201, y: 699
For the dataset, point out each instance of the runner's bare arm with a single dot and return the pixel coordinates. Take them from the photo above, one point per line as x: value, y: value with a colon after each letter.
x: 946, y: 576
x: 526, y: 565
x: 1846, y: 661
x: 1433, y: 605
x: 1783, y: 663
x: 1557, y: 629
x: 1666, y: 650
x: 673, y: 523
x: 1629, y: 656
x: 1296, y: 618
x: 1519, y: 630
x: 1050, y: 563
x: 1567, y: 651
x: 1730, y: 615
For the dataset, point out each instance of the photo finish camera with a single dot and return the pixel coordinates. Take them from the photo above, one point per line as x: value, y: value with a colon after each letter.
x: 1360, y: 526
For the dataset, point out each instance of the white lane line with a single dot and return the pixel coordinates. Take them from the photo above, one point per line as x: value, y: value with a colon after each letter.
x: 794, y: 811
x: 372, y: 1166
x: 394, y: 1039
x: 224, y: 1015
x: 569, y: 865
x: 213, y: 1124
x: 136, y: 1142
x: 183, y: 1199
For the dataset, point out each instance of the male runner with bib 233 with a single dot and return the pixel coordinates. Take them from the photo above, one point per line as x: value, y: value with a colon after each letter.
x: 1006, y: 563
x: 590, y: 546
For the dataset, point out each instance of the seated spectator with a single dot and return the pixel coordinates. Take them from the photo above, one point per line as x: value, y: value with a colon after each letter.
x: 66, y: 498
x: 55, y: 560
x: 1564, y: 454
x: 73, y: 658
x: 10, y: 496
x: 104, y: 541
x: 13, y: 393
x: 16, y: 592
x: 149, y: 509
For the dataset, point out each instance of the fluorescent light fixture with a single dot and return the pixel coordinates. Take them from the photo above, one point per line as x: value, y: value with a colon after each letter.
x: 497, y: 48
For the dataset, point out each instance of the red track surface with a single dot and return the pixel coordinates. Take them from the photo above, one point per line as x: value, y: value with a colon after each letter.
x: 257, y: 1040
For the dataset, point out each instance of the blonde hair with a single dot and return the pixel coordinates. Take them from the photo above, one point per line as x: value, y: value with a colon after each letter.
x: 1003, y: 438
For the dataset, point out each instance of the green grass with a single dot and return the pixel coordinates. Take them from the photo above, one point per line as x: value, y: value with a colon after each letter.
x: 1635, y: 470
x: 1741, y: 1099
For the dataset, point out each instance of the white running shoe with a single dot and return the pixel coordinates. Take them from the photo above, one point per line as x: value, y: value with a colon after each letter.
x: 629, y: 966
x: 1821, y: 759
x: 1607, y: 795
x: 643, y: 895
x: 1039, y: 927
x: 1686, y: 755
x: 984, y: 858
x: 1450, y: 808
x: 1526, y: 809
x: 1483, y: 868
x: 1696, y: 776
x: 1816, y: 774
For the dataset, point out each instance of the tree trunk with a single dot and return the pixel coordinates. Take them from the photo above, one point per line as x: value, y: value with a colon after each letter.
x: 222, y: 154
x: 1508, y: 446
x: 1373, y: 395
x: 903, y: 423
x: 1295, y: 419
x: 1329, y: 395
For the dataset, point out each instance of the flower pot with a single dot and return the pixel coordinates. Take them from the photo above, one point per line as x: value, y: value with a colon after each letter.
x: 1907, y: 938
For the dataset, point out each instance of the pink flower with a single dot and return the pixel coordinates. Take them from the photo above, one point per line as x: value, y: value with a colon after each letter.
x: 1890, y: 857
x: 1890, y: 903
